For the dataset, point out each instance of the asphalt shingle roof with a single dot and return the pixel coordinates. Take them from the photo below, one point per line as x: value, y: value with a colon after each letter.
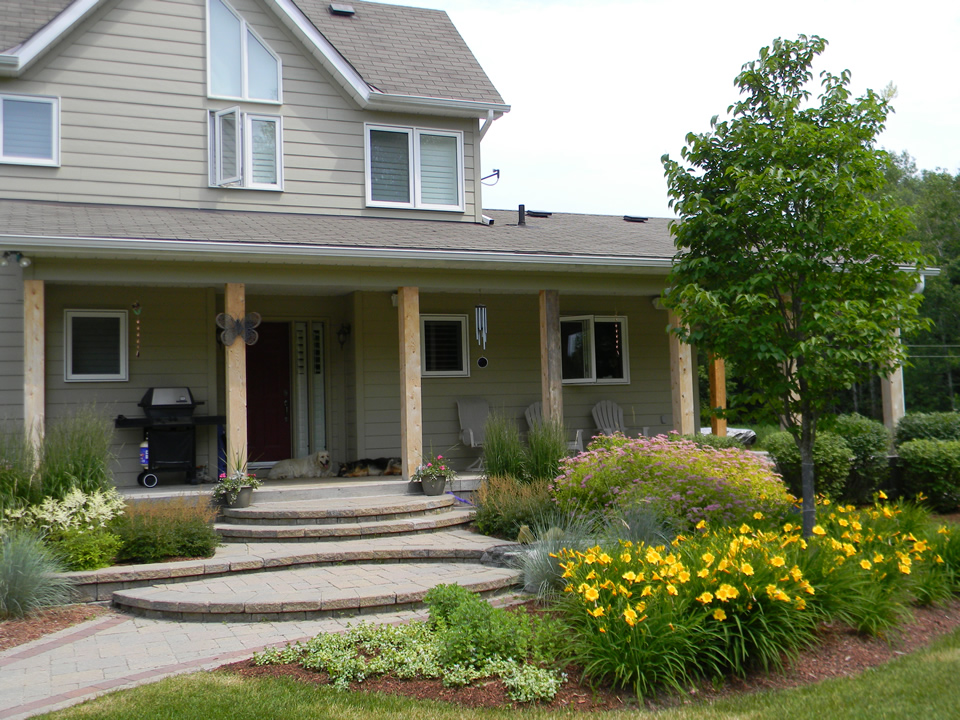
x: 559, y: 235
x: 21, y: 19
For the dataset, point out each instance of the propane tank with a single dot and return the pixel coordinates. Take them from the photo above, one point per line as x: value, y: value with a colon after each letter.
x: 145, y: 454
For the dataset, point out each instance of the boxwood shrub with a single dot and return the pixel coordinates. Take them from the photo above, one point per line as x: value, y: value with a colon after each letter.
x: 831, y: 462
x: 869, y: 442
x: 932, y: 467
x: 928, y: 426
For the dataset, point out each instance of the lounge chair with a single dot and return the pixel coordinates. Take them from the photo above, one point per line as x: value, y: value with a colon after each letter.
x: 473, y: 412
x: 534, y: 415
x: 609, y: 417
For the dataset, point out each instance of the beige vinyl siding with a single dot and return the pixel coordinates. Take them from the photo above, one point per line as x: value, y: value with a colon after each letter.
x: 134, y: 109
x: 11, y: 343
x: 511, y: 381
x: 176, y: 348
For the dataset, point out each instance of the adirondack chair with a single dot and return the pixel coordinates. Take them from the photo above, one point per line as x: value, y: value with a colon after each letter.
x: 609, y: 417
x: 534, y: 415
x: 473, y: 412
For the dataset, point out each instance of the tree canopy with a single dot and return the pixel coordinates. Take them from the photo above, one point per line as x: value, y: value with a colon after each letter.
x: 791, y: 262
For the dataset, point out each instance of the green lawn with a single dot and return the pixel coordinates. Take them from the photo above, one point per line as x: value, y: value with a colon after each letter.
x: 922, y: 685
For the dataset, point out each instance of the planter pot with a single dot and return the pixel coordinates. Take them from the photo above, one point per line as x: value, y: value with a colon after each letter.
x: 433, y: 486
x: 243, y: 498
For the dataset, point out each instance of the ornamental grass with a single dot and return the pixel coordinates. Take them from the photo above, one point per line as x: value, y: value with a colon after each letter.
x: 723, y: 600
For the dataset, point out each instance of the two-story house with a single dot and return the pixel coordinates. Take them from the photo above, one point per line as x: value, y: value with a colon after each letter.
x: 163, y: 162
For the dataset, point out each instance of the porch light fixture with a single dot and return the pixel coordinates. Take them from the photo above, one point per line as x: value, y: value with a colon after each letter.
x: 18, y: 257
x: 342, y: 334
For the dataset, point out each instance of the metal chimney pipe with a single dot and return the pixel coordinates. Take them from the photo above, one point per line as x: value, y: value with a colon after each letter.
x: 523, y: 215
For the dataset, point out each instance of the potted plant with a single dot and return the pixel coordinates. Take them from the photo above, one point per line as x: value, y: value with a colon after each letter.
x: 236, y: 489
x: 433, y: 475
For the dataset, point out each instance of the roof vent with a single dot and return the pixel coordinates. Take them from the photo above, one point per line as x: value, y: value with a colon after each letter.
x: 342, y: 9
x: 538, y: 213
x: 634, y: 218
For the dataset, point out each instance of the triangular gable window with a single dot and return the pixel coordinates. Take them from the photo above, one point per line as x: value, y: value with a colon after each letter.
x: 240, y: 64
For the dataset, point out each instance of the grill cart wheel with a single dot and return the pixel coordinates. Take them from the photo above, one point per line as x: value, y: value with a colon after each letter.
x: 148, y: 479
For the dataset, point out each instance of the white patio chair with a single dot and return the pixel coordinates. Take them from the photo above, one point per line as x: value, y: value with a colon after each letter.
x: 473, y: 412
x: 534, y: 415
x: 609, y: 417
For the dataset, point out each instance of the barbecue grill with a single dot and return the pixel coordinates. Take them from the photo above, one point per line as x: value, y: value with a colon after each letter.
x: 170, y: 431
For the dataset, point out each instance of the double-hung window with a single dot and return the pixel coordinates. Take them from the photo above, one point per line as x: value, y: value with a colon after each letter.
x: 240, y: 64
x: 414, y: 168
x: 593, y: 349
x: 443, y: 346
x: 96, y: 345
x: 29, y: 130
x: 246, y: 150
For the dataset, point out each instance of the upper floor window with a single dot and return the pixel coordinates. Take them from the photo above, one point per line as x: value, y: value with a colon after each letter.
x: 29, y: 130
x: 240, y: 65
x: 246, y: 150
x: 414, y: 168
x: 593, y: 349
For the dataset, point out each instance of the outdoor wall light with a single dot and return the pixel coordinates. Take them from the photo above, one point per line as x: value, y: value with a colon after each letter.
x: 342, y: 334
x: 17, y: 257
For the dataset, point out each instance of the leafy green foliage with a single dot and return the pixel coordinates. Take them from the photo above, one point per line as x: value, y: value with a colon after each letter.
x: 546, y: 447
x: 505, y: 504
x: 18, y: 484
x: 503, y: 453
x: 682, y: 482
x: 153, y: 531
x: 831, y: 460
x: 85, y: 549
x: 76, y: 453
x: 928, y: 426
x: 869, y: 442
x: 29, y: 577
x: 932, y: 467
x: 718, y: 442
x: 789, y: 259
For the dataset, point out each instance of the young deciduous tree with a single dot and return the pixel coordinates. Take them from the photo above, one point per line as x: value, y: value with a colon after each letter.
x: 787, y: 262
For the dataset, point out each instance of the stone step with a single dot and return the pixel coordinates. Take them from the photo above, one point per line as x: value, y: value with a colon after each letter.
x: 230, y: 532
x: 332, y: 511
x: 305, y: 593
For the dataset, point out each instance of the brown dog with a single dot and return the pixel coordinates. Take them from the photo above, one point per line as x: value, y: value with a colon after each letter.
x: 366, y: 466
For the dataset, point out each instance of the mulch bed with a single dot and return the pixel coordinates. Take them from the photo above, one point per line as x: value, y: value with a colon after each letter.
x: 44, y: 622
x: 840, y: 653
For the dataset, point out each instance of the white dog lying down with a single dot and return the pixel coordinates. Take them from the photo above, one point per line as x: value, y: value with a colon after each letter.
x: 316, y: 465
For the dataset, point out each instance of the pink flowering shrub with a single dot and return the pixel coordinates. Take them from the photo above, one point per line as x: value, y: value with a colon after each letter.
x: 684, y: 482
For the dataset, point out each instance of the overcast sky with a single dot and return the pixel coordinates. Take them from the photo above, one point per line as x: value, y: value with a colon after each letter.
x: 600, y: 89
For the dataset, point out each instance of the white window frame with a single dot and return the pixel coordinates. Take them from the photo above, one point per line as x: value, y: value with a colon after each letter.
x: 68, y: 374
x: 54, y: 103
x: 244, y: 150
x: 464, y: 346
x: 244, y: 60
x: 413, y: 144
x: 592, y: 321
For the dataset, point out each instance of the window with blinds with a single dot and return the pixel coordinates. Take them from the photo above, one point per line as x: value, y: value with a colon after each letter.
x: 414, y: 168
x: 29, y: 130
x: 96, y: 345
x: 443, y: 345
x: 246, y: 150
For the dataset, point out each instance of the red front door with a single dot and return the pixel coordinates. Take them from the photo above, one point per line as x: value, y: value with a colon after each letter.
x: 268, y: 393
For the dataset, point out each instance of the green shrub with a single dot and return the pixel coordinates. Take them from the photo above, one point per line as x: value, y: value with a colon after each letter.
x: 764, y: 431
x: 869, y: 442
x: 931, y: 467
x: 85, y: 549
x: 76, y: 510
x: 546, y: 447
x: 928, y: 426
x: 76, y: 453
x: 504, y: 505
x: 831, y: 462
x: 719, y: 442
x: 684, y: 483
x: 156, y: 530
x: 503, y: 453
x: 18, y: 484
x: 29, y: 577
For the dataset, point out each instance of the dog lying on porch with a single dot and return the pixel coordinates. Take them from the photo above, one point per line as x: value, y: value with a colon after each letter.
x: 366, y: 466
x: 316, y: 465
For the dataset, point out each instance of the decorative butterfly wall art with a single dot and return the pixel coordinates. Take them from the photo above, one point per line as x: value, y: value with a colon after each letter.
x: 234, y: 328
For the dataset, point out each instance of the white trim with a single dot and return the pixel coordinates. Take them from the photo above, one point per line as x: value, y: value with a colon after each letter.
x: 244, y: 59
x: 464, y: 345
x: 121, y: 248
x: 243, y: 181
x: 219, y: 178
x: 47, y: 36
x: 248, y: 181
x: 54, y: 103
x: 591, y: 321
x: 413, y: 150
x: 68, y: 375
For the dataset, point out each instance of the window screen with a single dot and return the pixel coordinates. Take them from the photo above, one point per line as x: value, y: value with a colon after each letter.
x: 390, y: 166
x: 610, y: 349
x: 443, y: 346
x: 439, y: 181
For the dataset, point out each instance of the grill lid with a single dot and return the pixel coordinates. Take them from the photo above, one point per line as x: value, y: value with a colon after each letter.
x: 168, y: 403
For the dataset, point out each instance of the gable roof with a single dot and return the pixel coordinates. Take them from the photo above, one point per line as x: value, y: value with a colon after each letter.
x: 585, y: 241
x: 387, y: 57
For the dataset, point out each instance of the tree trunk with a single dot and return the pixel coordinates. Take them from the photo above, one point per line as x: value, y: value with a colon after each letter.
x: 807, y: 430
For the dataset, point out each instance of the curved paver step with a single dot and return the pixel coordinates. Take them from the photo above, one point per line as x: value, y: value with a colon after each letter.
x: 344, y: 530
x: 298, y: 594
x: 329, y: 511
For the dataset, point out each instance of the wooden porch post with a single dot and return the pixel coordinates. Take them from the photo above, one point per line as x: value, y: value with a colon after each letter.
x: 891, y: 390
x: 411, y: 418
x: 235, y: 305
x: 681, y: 380
x: 551, y: 382
x: 718, y: 395
x: 34, y: 362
